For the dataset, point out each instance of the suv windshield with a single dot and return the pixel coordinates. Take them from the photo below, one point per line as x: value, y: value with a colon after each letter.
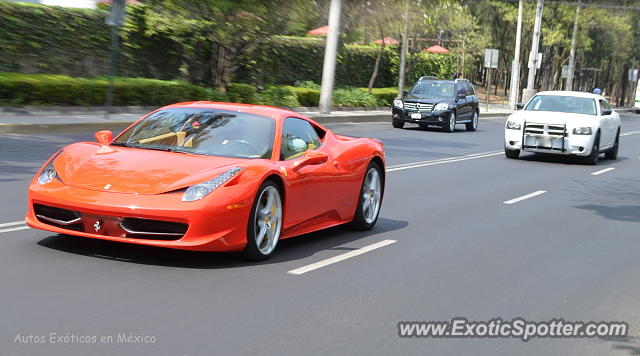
x: 568, y: 104
x: 433, y: 89
x: 203, y: 131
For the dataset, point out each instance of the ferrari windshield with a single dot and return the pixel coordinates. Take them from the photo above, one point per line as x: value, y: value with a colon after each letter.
x: 433, y: 89
x: 203, y: 131
x: 561, y: 103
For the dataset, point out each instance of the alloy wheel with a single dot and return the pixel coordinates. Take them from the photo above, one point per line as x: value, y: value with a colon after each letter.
x: 268, y: 220
x: 371, y: 195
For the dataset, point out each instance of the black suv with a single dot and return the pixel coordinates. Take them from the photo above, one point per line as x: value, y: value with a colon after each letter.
x: 438, y: 102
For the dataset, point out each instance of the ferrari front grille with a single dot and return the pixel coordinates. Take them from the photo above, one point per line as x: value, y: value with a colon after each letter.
x: 59, y: 217
x: 149, y: 229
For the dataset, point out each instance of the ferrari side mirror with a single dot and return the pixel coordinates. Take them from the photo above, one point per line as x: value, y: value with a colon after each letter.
x: 104, y: 137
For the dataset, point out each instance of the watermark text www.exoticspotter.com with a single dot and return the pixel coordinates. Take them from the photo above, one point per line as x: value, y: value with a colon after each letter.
x: 517, y: 328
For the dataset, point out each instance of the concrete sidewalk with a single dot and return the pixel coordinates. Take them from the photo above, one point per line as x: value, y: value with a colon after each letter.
x: 43, y: 119
x: 93, y: 118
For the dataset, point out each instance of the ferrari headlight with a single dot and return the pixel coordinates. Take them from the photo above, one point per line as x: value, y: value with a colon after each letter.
x: 199, y: 191
x: 512, y: 125
x: 398, y: 104
x: 441, y: 107
x: 49, y: 172
x: 582, y: 131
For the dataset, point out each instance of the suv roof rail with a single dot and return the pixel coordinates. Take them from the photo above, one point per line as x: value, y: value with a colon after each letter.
x: 428, y: 77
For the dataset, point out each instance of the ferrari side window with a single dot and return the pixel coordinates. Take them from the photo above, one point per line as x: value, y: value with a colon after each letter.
x: 298, y: 136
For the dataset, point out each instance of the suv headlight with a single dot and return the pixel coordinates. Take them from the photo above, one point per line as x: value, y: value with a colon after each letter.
x: 512, y: 125
x: 200, y: 190
x: 49, y: 172
x: 398, y: 103
x: 441, y: 107
x: 582, y: 131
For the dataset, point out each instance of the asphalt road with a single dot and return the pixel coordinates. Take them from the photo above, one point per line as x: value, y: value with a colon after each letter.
x: 459, y: 251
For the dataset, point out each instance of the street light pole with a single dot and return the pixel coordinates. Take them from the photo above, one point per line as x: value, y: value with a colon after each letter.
x: 403, y: 50
x: 329, y: 65
x: 572, y: 55
x: 533, y: 56
x: 515, y: 69
x: 115, y: 20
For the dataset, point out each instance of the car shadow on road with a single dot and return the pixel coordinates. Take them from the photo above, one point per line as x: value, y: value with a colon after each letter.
x: 629, y: 213
x: 566, y: 160
x: 291, y: 249
x: 628, y: 344
x: 438, y: 129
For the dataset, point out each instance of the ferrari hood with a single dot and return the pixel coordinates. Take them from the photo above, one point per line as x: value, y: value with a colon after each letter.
x: 135, y: 171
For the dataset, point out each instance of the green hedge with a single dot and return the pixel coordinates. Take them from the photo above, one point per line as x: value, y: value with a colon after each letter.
x: 290, y: 60
x: 385, y: 96
x: 76, y: 42
x: 241, y: 93
x: 277, y: 96
x: 47, y: 89
x: 306, y: 97
x: 53, y: 89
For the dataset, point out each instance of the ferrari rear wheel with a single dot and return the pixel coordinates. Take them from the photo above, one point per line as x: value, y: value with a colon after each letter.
x: 370, y: 199
x: 265, y: 223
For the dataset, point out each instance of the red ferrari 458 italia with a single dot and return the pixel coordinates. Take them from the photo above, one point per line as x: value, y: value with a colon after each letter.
x: 210, y: 177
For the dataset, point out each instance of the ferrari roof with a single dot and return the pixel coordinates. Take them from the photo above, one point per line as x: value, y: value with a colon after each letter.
x: 263, y: 110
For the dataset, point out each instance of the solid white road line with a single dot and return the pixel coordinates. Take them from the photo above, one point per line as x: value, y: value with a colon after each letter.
x: 602, y: 171
x: 442, y: 161
x: 629, y: 133
x: 15, y: 229
x: 13, y: 223
x: 531, y: 195
x: 342, y: 257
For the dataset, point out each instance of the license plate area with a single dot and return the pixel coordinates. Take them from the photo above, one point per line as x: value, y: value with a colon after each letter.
x: 544, y: 142
x: 416, y: 116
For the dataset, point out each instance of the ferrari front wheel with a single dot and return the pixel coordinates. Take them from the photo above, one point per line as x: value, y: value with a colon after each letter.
x: 370, y: 199
x: 265, y: 223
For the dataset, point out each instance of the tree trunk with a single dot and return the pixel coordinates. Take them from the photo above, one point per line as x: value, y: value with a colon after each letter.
x: 220, y: 69
x: 376, y: 66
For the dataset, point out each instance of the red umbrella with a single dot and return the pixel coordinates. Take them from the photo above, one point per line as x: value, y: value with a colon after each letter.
x: 320, y: 31
x: 387, y: 41
x: 436, y: 49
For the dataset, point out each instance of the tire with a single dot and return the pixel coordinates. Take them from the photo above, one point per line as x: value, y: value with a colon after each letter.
x: 450, y: 125
x: 263, y: 238
x: 592, y: 159
x: 513, y: 154
x: 398, y: 124
x: 370, y: 197
x: 473, y: 125
x: 612, y: 153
